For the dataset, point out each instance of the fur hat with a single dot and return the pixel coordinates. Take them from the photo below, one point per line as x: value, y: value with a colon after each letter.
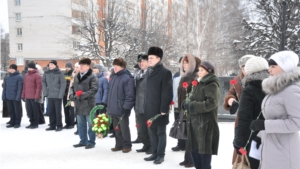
x: 85, y: 61
x: 157, y: 51
x: 143, y: 57
x: 120, y: 62
x: 53, y: 62
x: 208, y: 66
x: 256, y: 64
x: 13, y: 66
x: 242, y: 61
x: 287, y: 60
x: 31, y: 65
x: 193, y: 64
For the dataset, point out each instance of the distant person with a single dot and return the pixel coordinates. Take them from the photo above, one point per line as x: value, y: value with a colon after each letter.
x: 102, y: 93
x: 54, y: 85
x: 69, y: 115
x: 12, y: 90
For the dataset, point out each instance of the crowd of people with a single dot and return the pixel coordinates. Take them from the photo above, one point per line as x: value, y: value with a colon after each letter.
x: 264, y: 98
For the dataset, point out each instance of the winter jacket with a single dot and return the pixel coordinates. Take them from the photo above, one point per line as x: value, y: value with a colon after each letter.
x: 12, y: 88
x: 102, y: 93
x: 88, y: 83
x: 202, y: 116
x: 176, y: 79
x: 121, y: 94
x: 158, y: 95
x: 234, y: 92
x: 68, y: 75
x: 141, y: 84
x: 54, y: 84
x: 281, y: 139
x: 32, y: 85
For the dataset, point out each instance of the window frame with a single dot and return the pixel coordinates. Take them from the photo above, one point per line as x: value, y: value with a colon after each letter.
x: 18, y: 61
x: 17, y: 18
x: 17, y: 2
x: 20, y: 47
x: 21, y: 31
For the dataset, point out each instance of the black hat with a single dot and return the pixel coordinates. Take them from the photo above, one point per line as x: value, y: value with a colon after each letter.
x: 13, y: 66
x: 85, y: 61
x: 139, y: 58
x: 31, y: 65
x: 157, y: 51
x: 208, y: 66
x: 120, y: 62
x: 69, y: 65
x: 53, y: 62
x: 143, y: 57
x: 272, y: 62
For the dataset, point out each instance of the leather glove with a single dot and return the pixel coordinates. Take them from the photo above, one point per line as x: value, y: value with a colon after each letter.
x: 234, y: 107
x: 258, y: 142
x: 185, y: 106
x: 237, y: 150
x: 257, y: 125
x: 36, y: 100
x: 24, y: 100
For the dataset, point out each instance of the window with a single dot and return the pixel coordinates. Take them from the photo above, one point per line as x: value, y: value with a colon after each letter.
x: 20, y: 46
x: 75, y: 29
x: 75, y: 44
x: 18, y: 16
x: 80, y: 2
x: 19, y: 31
x: 20, y: 61
x: 17, y: 2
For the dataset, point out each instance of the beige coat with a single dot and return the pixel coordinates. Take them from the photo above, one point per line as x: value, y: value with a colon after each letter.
x: 280, y: 139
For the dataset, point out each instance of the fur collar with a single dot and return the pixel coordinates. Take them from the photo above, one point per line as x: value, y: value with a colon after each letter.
x: 192, y: 66
x: 255, y: 76
x: 276, y: 84
x: 85, y: 76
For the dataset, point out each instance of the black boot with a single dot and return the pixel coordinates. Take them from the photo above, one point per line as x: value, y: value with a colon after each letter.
x: 151, y: 158
x: 158, y: 160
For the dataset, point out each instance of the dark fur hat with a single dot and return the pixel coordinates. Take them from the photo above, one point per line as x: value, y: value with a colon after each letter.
x: 120, y: 62
x: 157, y: 51
x: 85, y: 61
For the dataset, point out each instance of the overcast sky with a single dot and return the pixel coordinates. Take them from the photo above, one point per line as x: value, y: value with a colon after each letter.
x: 4, y: 14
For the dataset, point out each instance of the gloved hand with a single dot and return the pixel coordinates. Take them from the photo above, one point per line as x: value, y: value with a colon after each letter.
x: 237, y: 150
x: 234, y: 107
x: 103, y: 104
x: 258, y: 142
x: 36, y: 100
x: 24, y: 100
x: 257, y: 125
x: 185, y: 106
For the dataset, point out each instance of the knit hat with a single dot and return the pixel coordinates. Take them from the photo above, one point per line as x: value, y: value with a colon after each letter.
x: 143, y: 57
x: 31, y: 65
x: 256, y: 64
x: 242, y: 61
x: 69, y: 65
x: 85, y: 61
x: 156, y: 51
x: 53, y: 62
x: 139, y: 58
x: 99, y: 67
x: 13, y: 66
x: 208, y: 66
x: 287, y: 60
x: 120, y: 62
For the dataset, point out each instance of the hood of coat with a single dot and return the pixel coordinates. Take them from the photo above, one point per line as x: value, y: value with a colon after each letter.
x: 209, y: 78
x: 255, y: 77
x: 55, y: 70
x: 275, y: 84
x: 99, y: 75
x: 33, y: 71
x: 15, y: 73
x: 192, y: 65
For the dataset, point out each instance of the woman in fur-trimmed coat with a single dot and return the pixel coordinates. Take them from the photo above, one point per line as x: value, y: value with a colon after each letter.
x: 250, y: 104
x: 188, y: 71
x: 279, y: 132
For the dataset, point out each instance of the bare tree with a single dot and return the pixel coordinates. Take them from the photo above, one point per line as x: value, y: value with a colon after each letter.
x: 4, y: 48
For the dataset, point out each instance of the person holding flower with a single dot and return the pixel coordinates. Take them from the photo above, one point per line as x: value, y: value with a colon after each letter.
x: 189, y: 72
x: 202, y: 117
x: 250, y: 104
x: 279, y: 132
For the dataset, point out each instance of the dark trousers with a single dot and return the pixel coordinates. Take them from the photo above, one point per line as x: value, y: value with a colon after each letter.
x: 41, y: 116
x: 253, y: 162
x: 201, y: 161
x: 123, y: 139
x: 32, y: 109
x: 5, y: 112
x: 100, y: 111
x: 142, y: 129
x: 55, y: 112
x: 180, y: 143
x: 158, y: 140
x: 14, y: 108
x: 47, y: 106
x: 69, y: 115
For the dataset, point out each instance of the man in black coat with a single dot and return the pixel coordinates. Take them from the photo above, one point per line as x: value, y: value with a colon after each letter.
x: 121, y: 99
x: 158, y: 97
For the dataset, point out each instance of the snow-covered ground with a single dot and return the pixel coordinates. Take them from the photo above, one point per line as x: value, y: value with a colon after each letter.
x: 31, y: 149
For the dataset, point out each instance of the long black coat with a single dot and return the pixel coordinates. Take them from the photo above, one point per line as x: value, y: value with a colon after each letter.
x: 158, y: 94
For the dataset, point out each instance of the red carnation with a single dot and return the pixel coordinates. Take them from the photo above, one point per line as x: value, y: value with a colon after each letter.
x: 172, y: 103
x: 185, y: 84
x: 79, y: 93
x: 195, y: 83
x: 243, y: 151
x: 137, y: 125
x: 233, y: 81
x: 116, y: 128
x: 149, y: 122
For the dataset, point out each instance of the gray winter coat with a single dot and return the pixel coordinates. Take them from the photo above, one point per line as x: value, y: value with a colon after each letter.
x: 88, y: 83
x: 281, y: 139
x: 54, y: 84
x: 141, y: 85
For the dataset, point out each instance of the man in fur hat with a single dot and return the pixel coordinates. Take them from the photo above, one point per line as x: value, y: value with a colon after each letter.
x: 83, y: 92
x: 158, y: 98
x: 121, y: 99
x: 54, y: 85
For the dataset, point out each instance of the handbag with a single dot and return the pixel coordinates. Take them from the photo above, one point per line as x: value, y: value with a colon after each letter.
x: 242, y: 164
x: 178, y: 129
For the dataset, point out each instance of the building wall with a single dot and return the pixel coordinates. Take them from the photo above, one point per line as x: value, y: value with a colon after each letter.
x: 45, y: 26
